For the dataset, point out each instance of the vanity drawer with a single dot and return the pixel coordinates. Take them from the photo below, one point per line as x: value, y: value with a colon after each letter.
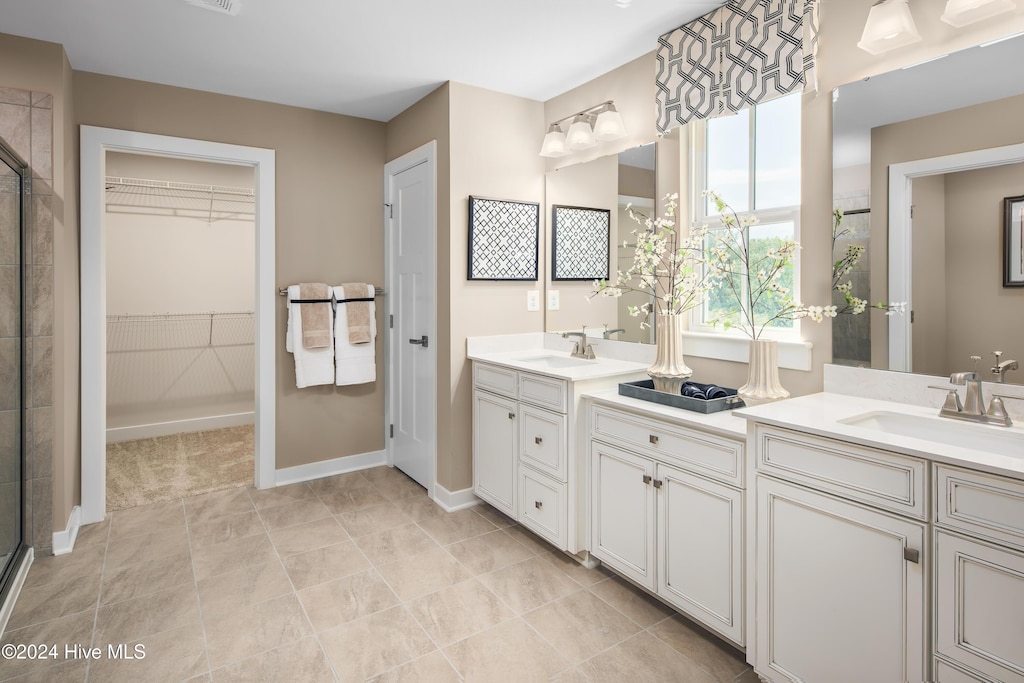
x: 497, y: 379
x: 694, y: 451
x: 542, y: 506
x: 543, y: 391
x: 980, y: 504
x: 542, y: 440
x: 886, y: 480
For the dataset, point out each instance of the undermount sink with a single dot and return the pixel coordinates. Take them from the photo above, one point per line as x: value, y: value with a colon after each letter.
x: 961, y: 434
x: 551, y: 361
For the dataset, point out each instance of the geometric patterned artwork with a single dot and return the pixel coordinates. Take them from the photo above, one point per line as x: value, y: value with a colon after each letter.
x: 503, y: 239
x: 580, y: 242
x: 744, y: 53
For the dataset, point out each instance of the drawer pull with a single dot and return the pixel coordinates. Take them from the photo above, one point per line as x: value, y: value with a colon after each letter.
x: 537, y: 440
x: 511, y: 416
x: 658, y: 483
x: 647, y: 478
x: 538, y: 504
x: 912, y: 555
x: 654, y: 439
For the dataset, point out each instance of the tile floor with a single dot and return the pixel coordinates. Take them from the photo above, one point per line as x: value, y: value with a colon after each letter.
x: 351, y: 578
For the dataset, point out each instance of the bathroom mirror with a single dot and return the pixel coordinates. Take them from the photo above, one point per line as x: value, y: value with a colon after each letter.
x: 923, y: 159
x: 610, y: 183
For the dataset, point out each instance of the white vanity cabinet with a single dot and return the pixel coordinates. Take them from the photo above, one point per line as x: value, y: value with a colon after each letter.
x: 979, y: 576
x: 840, y: 576
x: 667, y: 511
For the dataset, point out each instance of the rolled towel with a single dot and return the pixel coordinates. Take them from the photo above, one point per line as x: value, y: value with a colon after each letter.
x: 692, y: 390
x: 358, y: 312
x: 713, y: 391
x: 316, y: 318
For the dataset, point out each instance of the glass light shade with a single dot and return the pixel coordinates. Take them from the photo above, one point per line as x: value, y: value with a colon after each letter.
x: 963, y: 12
x: 554, y: 143
x: 580, y: 135
x: 889, y: 26
x: 609, y: 125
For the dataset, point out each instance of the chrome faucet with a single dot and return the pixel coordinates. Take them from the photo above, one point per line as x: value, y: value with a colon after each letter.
x: 1000, y: 368
x: 973, y: 408
x: 582, y: 349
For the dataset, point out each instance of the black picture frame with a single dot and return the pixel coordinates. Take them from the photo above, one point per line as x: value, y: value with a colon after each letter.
x: 504, y: 240
x: 1013, y: 241
x: 580, y: 243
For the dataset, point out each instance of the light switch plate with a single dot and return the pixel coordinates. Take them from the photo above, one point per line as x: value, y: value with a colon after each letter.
x: 533, y: 300
x: 552, y: 299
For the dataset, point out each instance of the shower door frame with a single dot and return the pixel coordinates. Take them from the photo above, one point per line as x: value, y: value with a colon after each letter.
x: 95, y: 143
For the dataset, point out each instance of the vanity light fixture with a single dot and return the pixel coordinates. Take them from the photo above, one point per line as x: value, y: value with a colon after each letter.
x: 963, y: 12
x: 600, y: 122
x: 889, y: 26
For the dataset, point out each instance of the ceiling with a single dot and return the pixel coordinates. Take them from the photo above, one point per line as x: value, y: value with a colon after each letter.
x: 371, y: 58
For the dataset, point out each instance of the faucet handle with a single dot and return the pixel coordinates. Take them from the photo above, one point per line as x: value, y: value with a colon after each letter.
x: 952, y: 403
x: 975, y: 359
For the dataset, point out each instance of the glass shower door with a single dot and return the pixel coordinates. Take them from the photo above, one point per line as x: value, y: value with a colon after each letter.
x: 12, y: 211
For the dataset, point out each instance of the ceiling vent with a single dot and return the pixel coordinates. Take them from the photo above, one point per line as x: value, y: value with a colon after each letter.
x: 223, y: 6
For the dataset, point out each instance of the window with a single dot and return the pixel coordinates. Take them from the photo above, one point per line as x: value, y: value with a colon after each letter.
x: 752, y: 160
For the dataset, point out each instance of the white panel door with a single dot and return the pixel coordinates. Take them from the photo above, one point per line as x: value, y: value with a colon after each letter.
x: 700, y: 551
x: 622, y: 508
x: 495, y: 431
x: 411, y: 301
x: 839, y: 597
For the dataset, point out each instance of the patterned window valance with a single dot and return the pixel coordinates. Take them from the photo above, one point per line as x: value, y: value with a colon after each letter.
x: 743, y: 53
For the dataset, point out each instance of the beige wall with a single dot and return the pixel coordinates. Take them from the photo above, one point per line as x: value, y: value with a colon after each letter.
x: 983, y: 315
x: 329, y: 196
x: 504, y: 166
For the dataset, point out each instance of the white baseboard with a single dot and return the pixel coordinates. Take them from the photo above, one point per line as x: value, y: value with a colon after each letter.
x: 64, y: 541
x: 196, y: 424
x: 328, y: 468
x: 7, y: 608
x: 454, y: 500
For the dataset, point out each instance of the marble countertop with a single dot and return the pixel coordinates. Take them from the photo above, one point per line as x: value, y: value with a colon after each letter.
x: 822, y: 414
x: 724, y: 423
x: 592, y: 369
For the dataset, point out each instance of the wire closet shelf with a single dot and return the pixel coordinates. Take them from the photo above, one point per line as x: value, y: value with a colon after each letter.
x: 189, y: 200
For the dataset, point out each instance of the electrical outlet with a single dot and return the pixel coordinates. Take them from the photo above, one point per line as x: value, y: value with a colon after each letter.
x: 552, y: 299
x: 533, y: 300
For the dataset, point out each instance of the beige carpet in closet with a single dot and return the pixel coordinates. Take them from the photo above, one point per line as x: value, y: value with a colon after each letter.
x: 169, y: 467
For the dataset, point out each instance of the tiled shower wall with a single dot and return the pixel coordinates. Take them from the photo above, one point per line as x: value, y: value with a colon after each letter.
x: 26, y: 125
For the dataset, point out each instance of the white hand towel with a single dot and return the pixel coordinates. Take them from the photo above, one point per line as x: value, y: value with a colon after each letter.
x: 354, y: 363
x: 312, y: 366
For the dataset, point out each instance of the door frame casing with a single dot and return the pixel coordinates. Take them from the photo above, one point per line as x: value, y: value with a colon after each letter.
x: 95, y: 143
x: 427, y: 154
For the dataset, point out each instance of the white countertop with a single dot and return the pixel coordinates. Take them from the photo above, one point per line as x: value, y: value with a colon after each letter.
x: 820, y: 414
x: 724, y: 423
x: 595, y: 369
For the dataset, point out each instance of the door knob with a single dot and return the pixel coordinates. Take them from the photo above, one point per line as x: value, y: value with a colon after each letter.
x: 422, y: 341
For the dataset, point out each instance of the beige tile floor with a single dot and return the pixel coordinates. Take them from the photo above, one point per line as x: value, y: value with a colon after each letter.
x: 352, y: 578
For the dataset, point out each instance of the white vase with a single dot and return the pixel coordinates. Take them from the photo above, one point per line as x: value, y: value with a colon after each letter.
x: 763, y: 374
x: 669, y: 370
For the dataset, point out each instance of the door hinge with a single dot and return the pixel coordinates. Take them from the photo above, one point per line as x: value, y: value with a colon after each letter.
x: 391, y: 210
x: 391, y: 322
x: 391, y: 431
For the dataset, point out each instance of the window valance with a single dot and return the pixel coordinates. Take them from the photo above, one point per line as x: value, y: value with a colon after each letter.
x: 745, y: 52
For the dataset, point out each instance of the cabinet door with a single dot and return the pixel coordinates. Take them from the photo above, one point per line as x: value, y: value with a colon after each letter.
x: 622, y: 512
x: 840, y: 589
x: 494, y: 450
x: 700, y: 552
x: 979, y: 606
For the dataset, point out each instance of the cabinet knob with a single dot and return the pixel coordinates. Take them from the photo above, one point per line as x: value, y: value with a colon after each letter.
x: 658, y: 483
x: 511, y: 416
x: 912, y: 555
x: 654, y: 439
x: 538, y: 504
x: 537, y: 440
x: 647, y: 478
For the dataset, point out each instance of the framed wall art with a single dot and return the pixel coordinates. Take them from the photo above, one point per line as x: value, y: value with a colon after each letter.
x: 1013, y: 242
x: 580, y: 243
x: 503, y: 239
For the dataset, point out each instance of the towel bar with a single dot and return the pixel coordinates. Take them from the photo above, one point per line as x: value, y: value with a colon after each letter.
x: 283, y: 291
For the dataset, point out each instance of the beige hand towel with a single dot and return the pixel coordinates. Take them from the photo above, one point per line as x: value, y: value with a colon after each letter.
x: 316, y: 318
x: 358, y: 312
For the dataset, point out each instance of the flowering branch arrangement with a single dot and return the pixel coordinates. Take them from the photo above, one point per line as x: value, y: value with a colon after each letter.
x: 666, y: 265
x: 842, y: 267
x: 753, y: 277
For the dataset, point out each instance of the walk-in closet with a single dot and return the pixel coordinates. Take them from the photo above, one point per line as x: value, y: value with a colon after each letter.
x: 180, y: 332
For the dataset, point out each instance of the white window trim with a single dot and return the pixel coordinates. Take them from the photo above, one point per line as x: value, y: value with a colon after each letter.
x: 794, y: 354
